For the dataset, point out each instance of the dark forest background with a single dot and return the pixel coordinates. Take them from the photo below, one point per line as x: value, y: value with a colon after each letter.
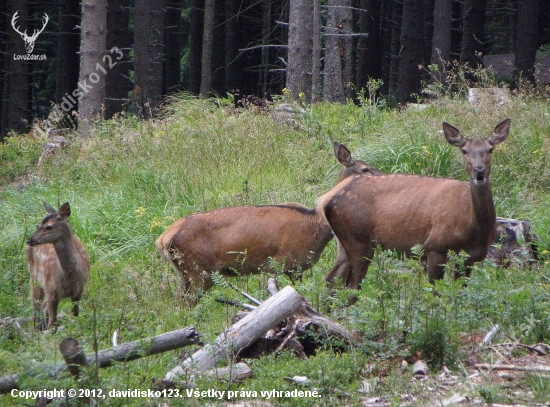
x: 132, y: 54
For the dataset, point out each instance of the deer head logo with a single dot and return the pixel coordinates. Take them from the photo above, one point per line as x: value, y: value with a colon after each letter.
x: 29, y: 41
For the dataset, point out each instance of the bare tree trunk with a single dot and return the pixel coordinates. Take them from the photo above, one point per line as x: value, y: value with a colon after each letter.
x: 92, y: 67
x: 337, y: 72
x: 266, y: 30
x: 410, y: 57
x: 232, y: 77
x: 526, y: 40
x: 316, y: 53
x: 4, y: 40
x: 473, y: 31
x: 174, y: 46
x: 195, y: 45
x: 207, y: 43
x: 369, y: 49
x: 67, y: 61
x: 16, y: 87
x: 441, y: 39
x: 118, y: 82
x: 149, y: 53
x: 394, y: 29
x: 300, y: 49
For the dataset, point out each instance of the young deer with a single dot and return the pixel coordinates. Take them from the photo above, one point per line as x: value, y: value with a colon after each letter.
x: 245, y: 239
x: 59, y: 264
x: 400, y: 211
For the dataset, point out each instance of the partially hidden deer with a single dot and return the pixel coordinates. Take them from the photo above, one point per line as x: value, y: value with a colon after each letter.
x: 400, y: 211
x: 247, y: 239
x: 59, y: 265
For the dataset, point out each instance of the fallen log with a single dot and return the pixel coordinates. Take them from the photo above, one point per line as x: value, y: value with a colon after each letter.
x: 243, y: 333
x: 122, y: 353
x: 534, y: 368
x: 308, y: 319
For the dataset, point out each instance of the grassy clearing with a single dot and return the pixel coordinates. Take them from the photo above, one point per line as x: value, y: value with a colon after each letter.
x: 133, y: 179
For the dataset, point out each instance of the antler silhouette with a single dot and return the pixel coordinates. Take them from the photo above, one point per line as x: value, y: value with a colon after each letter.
x: 29, y: 41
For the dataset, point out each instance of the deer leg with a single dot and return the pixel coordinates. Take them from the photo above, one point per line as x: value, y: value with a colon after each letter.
x: 340, y: 268
x: 76, y: 308
x: 37, y: 295
x: 360, y: 255
x: 51, y: 311
x: 196, y: 284
x: 467, y: 272
x: 436, y: 266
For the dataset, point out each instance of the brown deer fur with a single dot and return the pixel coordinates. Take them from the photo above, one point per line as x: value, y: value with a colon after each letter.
x: 246, y: 239
x: 400, y: 211
x: 59, y: 264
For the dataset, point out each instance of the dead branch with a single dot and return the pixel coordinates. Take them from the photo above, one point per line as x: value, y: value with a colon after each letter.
x: 534, y: 368
x: 123, y: 353
x: 243, y: 333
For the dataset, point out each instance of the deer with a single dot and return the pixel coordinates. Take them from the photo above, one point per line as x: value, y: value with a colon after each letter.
x: 29, y: 40
x: 244, y: 240
x: 59, y: 265
x: 399, y: 211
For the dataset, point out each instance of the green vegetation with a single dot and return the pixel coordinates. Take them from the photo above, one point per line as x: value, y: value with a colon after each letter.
x: 134, y: 178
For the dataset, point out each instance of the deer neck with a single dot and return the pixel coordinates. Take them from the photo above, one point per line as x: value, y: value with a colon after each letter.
x: 483, y: 207
x: 66, y: 253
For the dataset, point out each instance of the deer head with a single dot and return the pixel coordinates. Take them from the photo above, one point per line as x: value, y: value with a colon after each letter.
x: 29, y: 41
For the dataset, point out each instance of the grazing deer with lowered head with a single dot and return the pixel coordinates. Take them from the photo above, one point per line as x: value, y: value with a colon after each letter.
x: 399, y: 211
x: 58, y: 263
x: 245, y: 239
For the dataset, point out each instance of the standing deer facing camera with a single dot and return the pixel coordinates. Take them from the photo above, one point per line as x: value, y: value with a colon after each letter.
x: 245, y: 239
x: 399, y: 211
x: 59, y: 264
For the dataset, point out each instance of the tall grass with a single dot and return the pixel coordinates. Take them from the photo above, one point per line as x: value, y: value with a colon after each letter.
x: 134, y: 178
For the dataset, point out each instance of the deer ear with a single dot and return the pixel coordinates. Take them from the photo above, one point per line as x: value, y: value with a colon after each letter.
x: 500, y: 132
x: 343, y: 155
x: 453, y: 136
x: 50, y: 209
x: 64, y: 211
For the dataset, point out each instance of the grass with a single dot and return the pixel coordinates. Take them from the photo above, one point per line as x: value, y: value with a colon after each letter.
x: 133, y: 179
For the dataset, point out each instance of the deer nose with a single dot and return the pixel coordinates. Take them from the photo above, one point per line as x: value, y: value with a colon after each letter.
x: 479, y: 171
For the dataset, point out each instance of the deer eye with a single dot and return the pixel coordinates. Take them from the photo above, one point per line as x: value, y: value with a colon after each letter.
x: 490, y: 150
x: 365, y: 169
x: 464, y: 151
x: 49, y: 227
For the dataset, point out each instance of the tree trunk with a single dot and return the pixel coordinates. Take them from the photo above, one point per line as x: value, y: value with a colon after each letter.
x: 148, y: 54
x: 195, y: 46
x: 264, y: 66
x: 338, y: 61
x: 393, y: 30
x: 174, y: 46
x: 410, y: 57
x: 92, y: 67
x: 67, y: 61
x: 232, y: 77
x: 4, y: 60
x: 118, y: 82
x: 316, y: 53
x: 16, y: 87
x: 441, y: 38
x: 526, y: 40
x: 473, y: 31
x: 369, y: 49
x: 207, y: 43
x: 300, y: 49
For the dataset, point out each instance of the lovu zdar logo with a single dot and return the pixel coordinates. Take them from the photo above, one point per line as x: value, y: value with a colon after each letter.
x: 29, y: 40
